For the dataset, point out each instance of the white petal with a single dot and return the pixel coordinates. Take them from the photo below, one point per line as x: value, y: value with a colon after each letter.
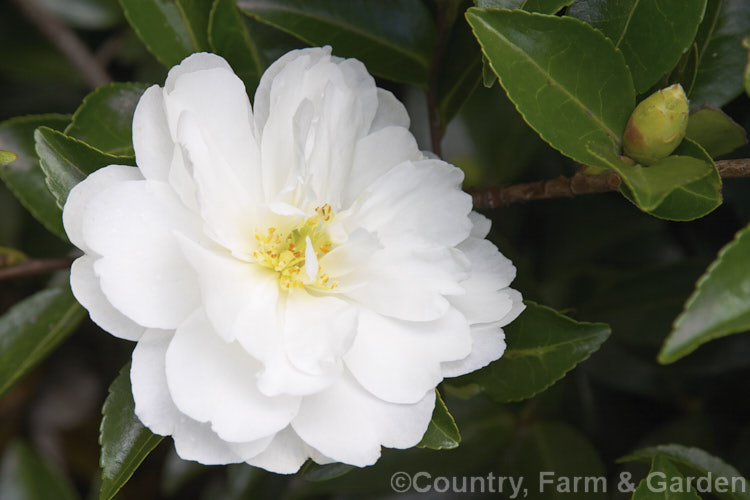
x: 398, y: 361
x: 148, y: 377
x: 408, y: 281
x: 517, y: 308
x: 152, y: 140
x: 488, y: 344
x: 196, y: 62
x: 142, y: 271
x: 484, y: 307
x: 390, y: 112
x: 376, y: 154
x: 196, y: 441
x: 349, y: 255
x: 490, y: 270
x: 421, y: 198
x: 86, y: 289
x: 311, y: 260
x: 481, y: 225
x: 285, y: 455
x: 82, y: 193
x: 240, y: 298
x: 214, y: 381
x: 348, y: 424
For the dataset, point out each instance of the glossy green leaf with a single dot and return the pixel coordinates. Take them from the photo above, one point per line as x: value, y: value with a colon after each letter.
x: 316, y: 472
x: 543, y: 345
x: 546, y: 454
x: 442, y: 433
x: 581, y: 94
x: 27, y: 476
x: 720, y: 305
x: 488, y: 76
x: 685, y: 71
x: 105, y: 118
x: 67, y: 161
x: 670, y: 188
x: 695, y: 460
x: 6, y: 157
x: 722, y: 58
x: 161, y: 27
x: 499, y: 4
x: 656, y: 486
x: 31, y: 329
x: 195, y: 14
x: 652, y: 35
x: 24, y: 177
x: 460, y: 70
x: 124, y: 440
x: 715, y: 131
x: 393, y: 38
x: 230, y: 38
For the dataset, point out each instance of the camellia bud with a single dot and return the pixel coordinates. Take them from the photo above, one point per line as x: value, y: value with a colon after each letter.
x: 657, y: 125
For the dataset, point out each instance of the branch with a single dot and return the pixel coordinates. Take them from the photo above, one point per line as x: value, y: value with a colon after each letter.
x: 67, y: 42
x: 31, y: 267
x: 580, y: 183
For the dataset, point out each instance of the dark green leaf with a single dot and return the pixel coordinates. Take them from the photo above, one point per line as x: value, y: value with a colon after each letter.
x: 553, y: 451
x: 722, y: 58
x: 543, y: 345
x: 488, y: 76
x: 499, y: 4
x: 195, y: 14
x: 24, y: 177
x: 663, y: 473
x: 545, y: 6
x: 26, y: 476
x: 31, y: 330
x: 7, y: 157
x: 105, y: 118
x: 460, y: 70
x: 230, y: 38
x: 694, y: 460
x: 393, y: 38
x: 746, y: 44
x: 582, y: 93
x: 161, y: 28
x: 442, y: 434
x: 685, y: 71
x: 715, y: 131
x: 652, y: 35
x: 125, y: 441
x: 720, y: 305
x: 67, y: 161
x: 315, y: 472
x: 679, y: 187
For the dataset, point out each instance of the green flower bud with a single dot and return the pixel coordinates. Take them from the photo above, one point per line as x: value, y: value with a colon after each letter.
x: 657, y: 125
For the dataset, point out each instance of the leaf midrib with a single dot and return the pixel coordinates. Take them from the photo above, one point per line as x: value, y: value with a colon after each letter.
x: 586, y: 111
x: 541, y: 350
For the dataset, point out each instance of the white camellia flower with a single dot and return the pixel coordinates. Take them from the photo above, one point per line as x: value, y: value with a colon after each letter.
x: 299, y: 277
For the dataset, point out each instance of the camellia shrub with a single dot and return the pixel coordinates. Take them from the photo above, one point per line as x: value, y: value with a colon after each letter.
x: 360, y: 248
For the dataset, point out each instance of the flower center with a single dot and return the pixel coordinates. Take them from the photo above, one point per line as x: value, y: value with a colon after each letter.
x: 295, y: 255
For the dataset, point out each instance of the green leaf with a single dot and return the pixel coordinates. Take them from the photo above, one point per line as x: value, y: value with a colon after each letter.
x: 26, y: 476
x: 230, y: 38
x: 663, y: 473
x: 460, y: 70
x: 31, y: 329
x: 316, y: 472
x: 746, y: 44
x: 720, y: 305
x: 715, y: 131
x: 685, y: 71
x: 195, y: 14
x: 545, y: 6
x: 87, y: 14
x: 442, y: 433
x: 6, y: 157
x: 722, y: 58
x: 652, y: 35
x: 10, y: 257
x: 105, y: 118
x: 393, y: 38
x: 679, y: 187
x: 161, y: 27
x: 67, y: 161
x: 543, y: 345
x: 571, y: 96
x: 695, y: 460
x: 554, y: 451
x: 124, y: 440
x: 499, y: 4
x: 24, y: 177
